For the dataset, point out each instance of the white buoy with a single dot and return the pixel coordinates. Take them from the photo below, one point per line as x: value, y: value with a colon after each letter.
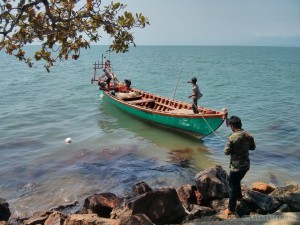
x: 68, y: 140
x: 101, y: 95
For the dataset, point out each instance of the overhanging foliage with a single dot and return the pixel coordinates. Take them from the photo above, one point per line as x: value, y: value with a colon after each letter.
x: 64, y: 27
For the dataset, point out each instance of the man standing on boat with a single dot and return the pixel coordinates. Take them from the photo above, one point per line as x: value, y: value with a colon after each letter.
x: 196, y: 94
x: 238, y: 145
x: 108, y: 76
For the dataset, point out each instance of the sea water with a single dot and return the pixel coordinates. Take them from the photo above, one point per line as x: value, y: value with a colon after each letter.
x: 111, y: 151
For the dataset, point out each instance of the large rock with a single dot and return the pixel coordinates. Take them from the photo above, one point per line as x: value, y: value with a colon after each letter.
x: 56, y: 218
x: 212, y: 183
x: 262, y: 187
x: 38, y: 218
x: 101, y: 204
x: 280, y: 192
x: 188, y: 194
x: 140, y: 188
x: 290, y: 195
x: 89, y: 219
x: 160, y: 206
x: 293, y: 201
x: 201, y: 211
x: 263, y: 203
x: 138, y: 219
x: 4, y: 210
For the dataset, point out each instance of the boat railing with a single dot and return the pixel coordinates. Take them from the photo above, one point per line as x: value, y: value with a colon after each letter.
x: 96, y: 67
x: 163, y: 104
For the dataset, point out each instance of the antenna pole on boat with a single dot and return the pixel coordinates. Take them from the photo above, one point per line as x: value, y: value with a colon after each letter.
x: 176, y: 85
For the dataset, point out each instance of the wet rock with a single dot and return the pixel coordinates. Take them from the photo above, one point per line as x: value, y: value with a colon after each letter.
x: 262, y: 187
x: 283, y: 208
x: 290, y: 195
x: 87, y: 219
x: 67, y: 208
x: 137, y: 219
x: 212, y: 183
x: 280, y: 192
x: 200, y: 211
x: 263, y: 203
x: 197, y: 212
x: 56, y: 218
x: 219, y: 204
x: 188, y: 194
x: 101, y: 204
x: 293, y: 201
x: 161, y: 206
x: 4, y: 210
x: 140, y: 188
x: 38, y: 218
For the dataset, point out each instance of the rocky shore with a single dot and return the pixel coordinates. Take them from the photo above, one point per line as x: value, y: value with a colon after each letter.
x: 200, y: 203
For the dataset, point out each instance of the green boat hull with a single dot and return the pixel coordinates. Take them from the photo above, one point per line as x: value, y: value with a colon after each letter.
x: 193, y: 125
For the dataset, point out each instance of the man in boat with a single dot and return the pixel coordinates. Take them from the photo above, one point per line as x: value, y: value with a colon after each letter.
x: 196, y: 94
x: 108, y: 76
x: 127, y: 85
x: 125, y: 88
x: 107, y: 65
x: 238, y: 145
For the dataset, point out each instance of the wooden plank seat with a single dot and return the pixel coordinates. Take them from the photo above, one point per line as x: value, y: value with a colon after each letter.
x: 161, y: 106
x: 141, y: 101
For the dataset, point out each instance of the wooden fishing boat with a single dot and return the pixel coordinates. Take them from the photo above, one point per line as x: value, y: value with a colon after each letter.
x: 165, y: 111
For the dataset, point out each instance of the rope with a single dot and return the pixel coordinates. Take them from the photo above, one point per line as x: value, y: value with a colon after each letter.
x: 209, y: 125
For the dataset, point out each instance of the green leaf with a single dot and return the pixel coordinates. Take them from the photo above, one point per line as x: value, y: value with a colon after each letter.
x: 116, y: 5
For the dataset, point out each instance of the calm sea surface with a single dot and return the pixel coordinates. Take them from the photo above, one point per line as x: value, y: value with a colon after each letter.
x: 112, y: 151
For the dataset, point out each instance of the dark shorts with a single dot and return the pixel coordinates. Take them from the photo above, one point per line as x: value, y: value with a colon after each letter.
x: 108, y: 81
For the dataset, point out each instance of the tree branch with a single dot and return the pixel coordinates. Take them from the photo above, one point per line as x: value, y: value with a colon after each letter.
x: 24, y: 7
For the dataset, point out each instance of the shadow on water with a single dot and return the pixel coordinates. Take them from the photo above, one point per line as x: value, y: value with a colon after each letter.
x: 128, y: 169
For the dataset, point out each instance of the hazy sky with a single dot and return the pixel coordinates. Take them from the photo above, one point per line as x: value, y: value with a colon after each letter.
x: 218, y: 22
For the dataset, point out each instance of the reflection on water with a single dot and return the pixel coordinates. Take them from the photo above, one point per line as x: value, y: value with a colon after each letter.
x: 180, y: 147
x: 112, y: 118
x: 181, y: 157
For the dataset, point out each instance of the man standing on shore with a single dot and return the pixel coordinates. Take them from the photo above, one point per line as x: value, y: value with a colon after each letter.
x: 238, y: 146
